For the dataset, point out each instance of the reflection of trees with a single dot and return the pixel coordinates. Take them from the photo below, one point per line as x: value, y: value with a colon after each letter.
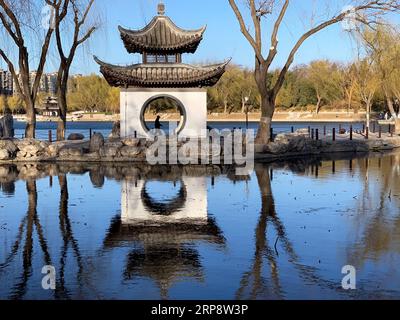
x: 7, y: 180
x: 68, y: 238
x: 253, y: 281
x: 254, y: 277
x: 379, y: 217
x: 30, y: 224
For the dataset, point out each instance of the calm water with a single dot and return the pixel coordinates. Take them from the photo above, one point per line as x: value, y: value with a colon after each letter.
x: 105, y: 128
x: 141, y: 232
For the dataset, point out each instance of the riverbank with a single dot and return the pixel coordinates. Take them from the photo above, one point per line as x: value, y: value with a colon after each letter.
x: 295, y: 117
x: 98, y: 149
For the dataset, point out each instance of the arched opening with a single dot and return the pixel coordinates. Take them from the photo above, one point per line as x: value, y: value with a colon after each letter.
x: 171, y: 111
x: 165, y: 198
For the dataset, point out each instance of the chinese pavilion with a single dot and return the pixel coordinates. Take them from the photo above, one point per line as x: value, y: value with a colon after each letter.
x: 162, y: 75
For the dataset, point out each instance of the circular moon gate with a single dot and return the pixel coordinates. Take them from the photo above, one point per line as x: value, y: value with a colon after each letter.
x: 177, y: 103
x: 164, y: 209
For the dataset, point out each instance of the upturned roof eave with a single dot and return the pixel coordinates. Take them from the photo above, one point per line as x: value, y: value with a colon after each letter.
x: 152, y: 24
x: 162, y: 65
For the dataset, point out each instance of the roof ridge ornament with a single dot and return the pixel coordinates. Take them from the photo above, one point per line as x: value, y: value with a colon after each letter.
x: 161, y: 9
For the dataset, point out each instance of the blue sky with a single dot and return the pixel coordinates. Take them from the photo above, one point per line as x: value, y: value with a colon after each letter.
x: 222, y: 39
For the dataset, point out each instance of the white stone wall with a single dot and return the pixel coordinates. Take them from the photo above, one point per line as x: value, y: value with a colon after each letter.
x: 193, y: 100
x: 194, y: 209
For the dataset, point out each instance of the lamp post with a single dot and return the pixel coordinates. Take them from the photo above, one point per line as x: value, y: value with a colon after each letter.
x: 246, y: 102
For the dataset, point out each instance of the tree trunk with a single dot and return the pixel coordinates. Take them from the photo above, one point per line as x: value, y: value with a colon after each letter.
x: 368, y: 121
x: 394, y: 115
x: 397, y: 127
x: 62, y: 87
x: 318, y: 105
x: 267, y: 104
x: 350, y: 98
x: 30, y: 119
x: 264, y: 131
x: 62, y: 124
x: 391, y: 107
x: 225, y: 107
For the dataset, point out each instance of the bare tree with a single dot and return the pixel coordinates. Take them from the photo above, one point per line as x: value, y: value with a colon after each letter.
x: 367, y: 82
x: 80, y: 12
x: 363, y: 11
x: 383, y: 47
x: 14, y: 25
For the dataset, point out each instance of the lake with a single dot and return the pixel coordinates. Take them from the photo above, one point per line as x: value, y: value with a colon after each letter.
x: 141, y: 232
x: 42, y: 131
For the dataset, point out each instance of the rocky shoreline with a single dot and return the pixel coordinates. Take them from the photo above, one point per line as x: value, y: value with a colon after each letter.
x: 99, y: 149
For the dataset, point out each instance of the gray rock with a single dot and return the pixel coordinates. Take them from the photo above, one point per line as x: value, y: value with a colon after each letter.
x: 96, y: 142
x: 302, y: 132
x: 8, y: 145
x: 260, y: 148
x: 93, y: 156
x: 4, y: 154
x: 116, y: 130
x: 29, y: 150
x: 109, y: 151
x: 131, y: 142
x: 70, y: 153
x: 97, y: 178
x: 7, y: 126
x: 277, y: 148
x: 130, y: 151
x: 76, y: 137
x: 114, y: 144
x: 75, y: 152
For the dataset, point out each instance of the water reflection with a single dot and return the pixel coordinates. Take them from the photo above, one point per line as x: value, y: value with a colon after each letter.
x: 147, y: 232
x: 163, y: 232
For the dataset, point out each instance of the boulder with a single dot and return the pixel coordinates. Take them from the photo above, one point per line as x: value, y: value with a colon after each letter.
x: 96, y: 142
x: 53, y: 149
x: 130, y: 151
x: 260, y: 148
x: 277, y: 148
x: 75, y: 152
x: 93, y: 156
x: 30, y: 148
x: 116, y: 130
x: 76, y: 137
x: 70, y: 153
x: 7, y: 126
x: 302, y: 132
x: 131, y: 142
x: 109, y: 151
x: 290, y: 142
x: 9, y: 146
x: 297, y: 143
x: 4, y: 155
x: 97, y: 178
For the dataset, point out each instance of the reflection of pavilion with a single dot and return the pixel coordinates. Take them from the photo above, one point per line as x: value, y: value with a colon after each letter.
x: 163, y: 233
x: 189, y: 204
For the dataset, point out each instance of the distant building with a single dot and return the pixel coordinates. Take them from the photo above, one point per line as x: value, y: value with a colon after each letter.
x: 49, y: 108
x: 48, y: 82
x: 6, y: 82
x: 51, y: 79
